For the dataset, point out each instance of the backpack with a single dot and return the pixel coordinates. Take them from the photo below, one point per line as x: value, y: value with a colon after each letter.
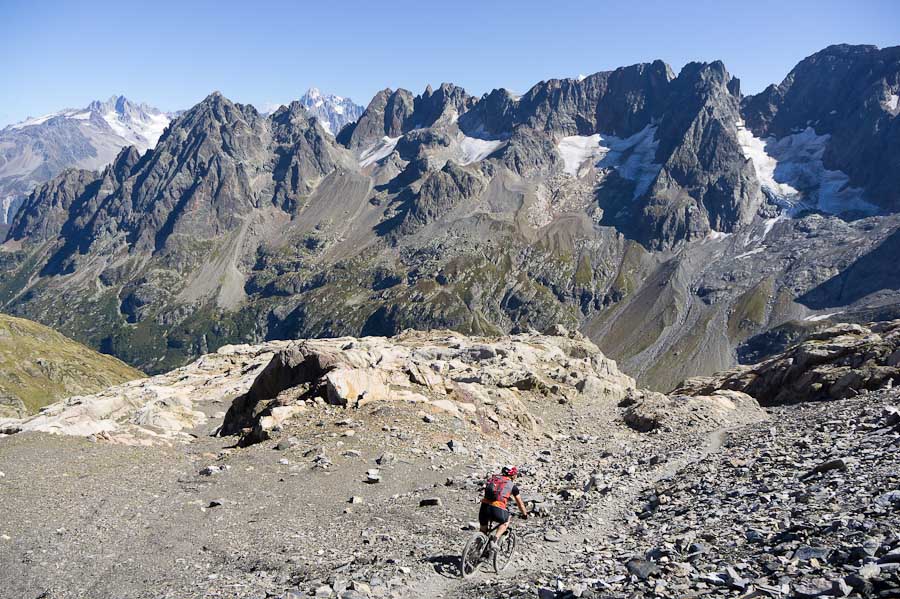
x: 497, y: 488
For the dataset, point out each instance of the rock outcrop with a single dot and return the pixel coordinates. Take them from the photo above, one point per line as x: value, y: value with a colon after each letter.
x: 842, y: 361
x: 482, y: 380
x: 646, y: 411
x: 487, y: 382
x: 157, y: 409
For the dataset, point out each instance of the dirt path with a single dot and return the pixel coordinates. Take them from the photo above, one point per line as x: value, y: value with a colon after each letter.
x: 590, y: 523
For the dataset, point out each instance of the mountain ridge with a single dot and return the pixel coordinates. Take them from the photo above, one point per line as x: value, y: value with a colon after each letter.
x: 37, y: 149
x: 625, y: 204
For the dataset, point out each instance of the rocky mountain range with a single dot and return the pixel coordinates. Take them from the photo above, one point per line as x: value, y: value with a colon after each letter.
x: 679, y: 224
x: 37, y: 149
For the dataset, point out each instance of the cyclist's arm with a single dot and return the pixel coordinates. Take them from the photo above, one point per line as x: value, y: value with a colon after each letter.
x: 521, y: 505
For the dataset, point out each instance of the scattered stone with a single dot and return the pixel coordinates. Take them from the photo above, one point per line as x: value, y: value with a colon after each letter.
x: 286, y: 444
x: 641, y: 568
x: 889, y: 499
x: 870, y: 570
x: 837, y: 464
x: 214, y: 469
x: 386, y: 459
x: 455, y: 447
x: 806, y: 553
x: 812, y: 589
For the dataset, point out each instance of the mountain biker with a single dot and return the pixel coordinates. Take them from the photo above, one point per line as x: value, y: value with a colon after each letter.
x: 497, y: 491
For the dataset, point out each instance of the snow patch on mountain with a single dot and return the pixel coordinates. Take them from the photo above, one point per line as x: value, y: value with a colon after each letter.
x: 378, y: 151
x: 8, y: 207
x: 631, y: 157
x: 577, y: 149
x: 31, y: 122
x: 139, y: 125
x: 792, y: 172
x: 892, y: 103
x: 473, y: 149
x: 142, y: 130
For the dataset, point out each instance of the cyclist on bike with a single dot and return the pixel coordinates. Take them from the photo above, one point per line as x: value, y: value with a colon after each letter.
x: 497, y: 491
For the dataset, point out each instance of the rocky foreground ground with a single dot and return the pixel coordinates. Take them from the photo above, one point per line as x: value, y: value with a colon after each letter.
x: 803, y: 504
x: 328, y: 489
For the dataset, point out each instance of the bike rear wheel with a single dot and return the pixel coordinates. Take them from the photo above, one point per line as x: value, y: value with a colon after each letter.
x: 471, y: 556
x: 503, y: 556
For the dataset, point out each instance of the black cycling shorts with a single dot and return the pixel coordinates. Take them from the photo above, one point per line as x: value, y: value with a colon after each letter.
x: 491, y: 513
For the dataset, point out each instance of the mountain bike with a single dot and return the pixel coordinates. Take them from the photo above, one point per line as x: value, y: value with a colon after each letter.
x: 478, y: 551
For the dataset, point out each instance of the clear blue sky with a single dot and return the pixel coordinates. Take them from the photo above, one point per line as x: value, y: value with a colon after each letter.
x: 172, y: 54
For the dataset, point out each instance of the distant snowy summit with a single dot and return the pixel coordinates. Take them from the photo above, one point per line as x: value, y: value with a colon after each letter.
x: 332, y: 111
x: 139, y: 124
x: 37, y: 149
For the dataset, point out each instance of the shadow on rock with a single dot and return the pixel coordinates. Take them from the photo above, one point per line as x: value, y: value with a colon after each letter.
x: 446, y: 565
x: 872, y: 272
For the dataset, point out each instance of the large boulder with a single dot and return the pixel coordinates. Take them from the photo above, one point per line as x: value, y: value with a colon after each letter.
x: 647, y: 411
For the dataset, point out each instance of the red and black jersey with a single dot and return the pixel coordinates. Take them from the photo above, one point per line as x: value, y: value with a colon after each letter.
x: 498, y: 489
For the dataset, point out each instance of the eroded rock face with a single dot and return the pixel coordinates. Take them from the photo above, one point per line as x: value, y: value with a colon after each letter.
x: 488, y: 380
x: 838, y: 362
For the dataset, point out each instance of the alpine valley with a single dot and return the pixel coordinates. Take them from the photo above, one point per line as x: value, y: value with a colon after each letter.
x: 681, y: 226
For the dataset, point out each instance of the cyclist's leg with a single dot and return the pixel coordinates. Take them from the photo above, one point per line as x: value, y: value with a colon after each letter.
x: 484, y: 518
x: 501, y: 516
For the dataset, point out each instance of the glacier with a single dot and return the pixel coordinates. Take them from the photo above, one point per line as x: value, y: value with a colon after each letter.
x: 791, y: 171
x: 631, y: 157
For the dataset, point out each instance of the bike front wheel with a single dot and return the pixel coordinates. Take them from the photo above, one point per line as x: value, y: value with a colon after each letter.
x: 472, y: 554
x: 504, y: 554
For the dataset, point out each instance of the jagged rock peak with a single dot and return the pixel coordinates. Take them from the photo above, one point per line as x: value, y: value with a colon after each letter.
x: 619, y: 102
x: 121, y: 105
x: 334, y: 112
x: 847, y: 95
